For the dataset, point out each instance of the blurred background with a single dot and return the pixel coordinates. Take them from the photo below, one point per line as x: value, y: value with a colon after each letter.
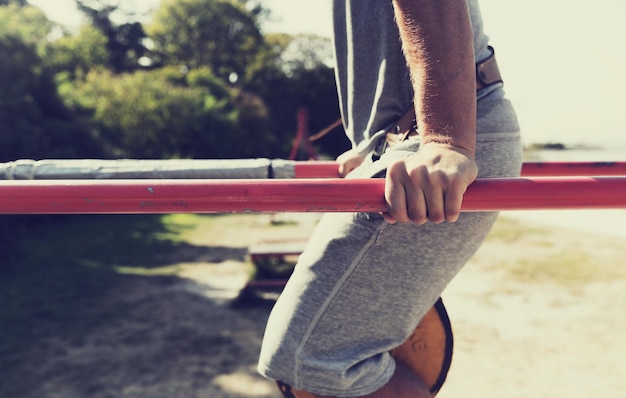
x: 561, y: 61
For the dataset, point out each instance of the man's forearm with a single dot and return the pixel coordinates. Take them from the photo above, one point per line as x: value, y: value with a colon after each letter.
x: 438, y: 45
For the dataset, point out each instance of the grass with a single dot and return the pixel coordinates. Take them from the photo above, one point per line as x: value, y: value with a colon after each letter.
x: 61, y: 267
x: 68, y: 263
x: 61, y: 290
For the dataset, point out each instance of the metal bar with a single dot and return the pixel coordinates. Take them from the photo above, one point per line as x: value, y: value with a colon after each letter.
x: 329, y: 169
x: 292, y: 195
x: 538, y: 169
x: 99, y: 169
x: 316, y: 169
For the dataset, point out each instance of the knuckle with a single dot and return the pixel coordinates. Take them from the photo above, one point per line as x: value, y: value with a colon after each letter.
x: 419, y: 173
x: 396, y: 168
x: 436, y: 217
x: 418, y: 217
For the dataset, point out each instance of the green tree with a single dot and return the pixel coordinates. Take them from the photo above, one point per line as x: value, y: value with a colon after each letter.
x: 167, y: 113
x: 220, y: 34
x: 34, y: 123
x: 27, y: 23
x: 124, y: 42
x: 73, y: 56
x: 276, y: 73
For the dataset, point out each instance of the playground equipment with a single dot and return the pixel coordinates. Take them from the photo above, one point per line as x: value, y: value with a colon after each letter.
x: 261, y: 185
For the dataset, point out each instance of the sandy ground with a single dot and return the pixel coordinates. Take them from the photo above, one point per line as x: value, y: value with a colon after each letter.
x: 518, y: 333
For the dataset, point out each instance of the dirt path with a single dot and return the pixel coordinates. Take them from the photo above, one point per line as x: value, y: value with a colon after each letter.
x: 520, y: 331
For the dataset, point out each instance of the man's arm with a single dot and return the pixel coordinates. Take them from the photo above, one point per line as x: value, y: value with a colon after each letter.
x: 437, y: 41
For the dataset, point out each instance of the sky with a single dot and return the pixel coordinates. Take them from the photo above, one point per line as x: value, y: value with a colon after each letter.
x: 563, y: 61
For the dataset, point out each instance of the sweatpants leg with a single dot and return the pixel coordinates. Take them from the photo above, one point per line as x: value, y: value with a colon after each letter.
x: 358, y: 291
x: 362, y: 285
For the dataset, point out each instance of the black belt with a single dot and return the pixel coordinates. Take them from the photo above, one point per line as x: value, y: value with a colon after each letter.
x: 487, y: 72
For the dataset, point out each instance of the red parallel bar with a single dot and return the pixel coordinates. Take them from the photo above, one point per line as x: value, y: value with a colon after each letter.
x: 292, y: 195
x: 538, y: 169
x: 329, y: 169
x: 316, y: 169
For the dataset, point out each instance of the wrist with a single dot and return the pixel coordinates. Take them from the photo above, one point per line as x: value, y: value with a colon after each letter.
x: 463, y: 146
x: 448, y: 144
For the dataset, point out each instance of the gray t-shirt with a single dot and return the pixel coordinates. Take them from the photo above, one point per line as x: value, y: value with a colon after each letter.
x: 368, y: 52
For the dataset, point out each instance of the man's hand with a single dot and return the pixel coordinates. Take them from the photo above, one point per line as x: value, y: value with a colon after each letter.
x: 429, y: 185
x: 349, y: 161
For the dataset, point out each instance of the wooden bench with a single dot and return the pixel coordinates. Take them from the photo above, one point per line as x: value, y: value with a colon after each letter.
x: 273, y: 261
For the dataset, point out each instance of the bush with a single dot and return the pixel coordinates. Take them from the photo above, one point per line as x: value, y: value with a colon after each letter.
x: 34, y: 123
x: 159, y: 114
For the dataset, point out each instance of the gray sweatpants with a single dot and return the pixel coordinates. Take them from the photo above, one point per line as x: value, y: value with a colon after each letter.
x: 362, y: 285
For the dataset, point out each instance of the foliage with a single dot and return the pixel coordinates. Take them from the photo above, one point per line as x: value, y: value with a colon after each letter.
x: 28, y: 24
x: 166, y: 113
x: 219, y: 34
x: 124, y: 42
x: 216, y: 86
x: 33, y: 120
x: 73, y: 56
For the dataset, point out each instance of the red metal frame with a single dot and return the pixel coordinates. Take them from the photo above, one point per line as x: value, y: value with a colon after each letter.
x: 292, y: 195
x: 329, y: 169
x: 316, y: 169
x: 538, y: 169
